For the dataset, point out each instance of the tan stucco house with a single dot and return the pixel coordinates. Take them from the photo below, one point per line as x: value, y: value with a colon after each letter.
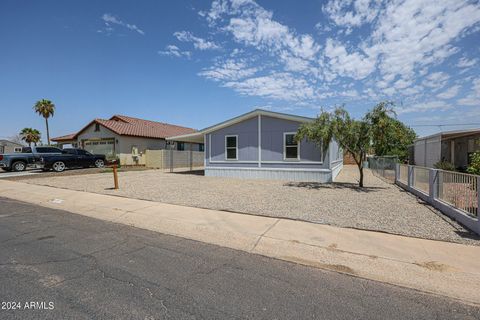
x: 126, y: 138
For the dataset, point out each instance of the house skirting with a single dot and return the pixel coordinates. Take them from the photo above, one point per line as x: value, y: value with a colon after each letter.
x: 303, y: 175
x: 336, y: 168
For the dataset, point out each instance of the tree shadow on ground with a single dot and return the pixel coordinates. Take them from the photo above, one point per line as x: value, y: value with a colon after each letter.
x: 467, y: 234
x: 333, y: 185
x: 193, y: 172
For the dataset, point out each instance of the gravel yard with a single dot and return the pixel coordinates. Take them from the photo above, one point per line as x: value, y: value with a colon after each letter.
x: 379, y: 206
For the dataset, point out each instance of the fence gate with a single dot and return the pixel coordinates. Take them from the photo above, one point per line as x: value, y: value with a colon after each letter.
x: 171, y: 160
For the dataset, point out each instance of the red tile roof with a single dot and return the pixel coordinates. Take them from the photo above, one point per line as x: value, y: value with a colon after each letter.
x: 67, y: 137
x: 129, y: 126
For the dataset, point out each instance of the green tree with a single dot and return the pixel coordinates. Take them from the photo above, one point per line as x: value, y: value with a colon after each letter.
x: 46, y: 109
x: 354, y: 136
x: 378, y: 131
x: 391, y: 137
x: 474, y: 167
x: 30, y: 135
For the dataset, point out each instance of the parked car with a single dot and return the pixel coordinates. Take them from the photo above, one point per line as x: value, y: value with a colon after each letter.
x: 28, y: 157
x: 72, y: 158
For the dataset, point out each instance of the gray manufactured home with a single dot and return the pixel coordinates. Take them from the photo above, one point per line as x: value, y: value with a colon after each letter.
x: 260, y: 144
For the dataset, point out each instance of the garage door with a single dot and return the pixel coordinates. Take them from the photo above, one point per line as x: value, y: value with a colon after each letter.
x: 106, y: 147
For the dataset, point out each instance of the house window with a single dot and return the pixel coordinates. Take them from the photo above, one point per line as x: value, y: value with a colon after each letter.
x: 231, y: 147
x: 180, y: 146
x: 291, y: 148
x: 97, y: 127
x: 17, y: 149
x: 201, y: 147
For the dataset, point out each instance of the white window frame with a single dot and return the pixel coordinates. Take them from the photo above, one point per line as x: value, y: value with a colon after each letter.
x: 285, y: 148
x: 236, y: 147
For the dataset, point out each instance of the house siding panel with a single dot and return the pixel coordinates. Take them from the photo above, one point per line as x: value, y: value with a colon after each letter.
x: 311, y: 167
x: 272, y: 141
x: 247, y: 142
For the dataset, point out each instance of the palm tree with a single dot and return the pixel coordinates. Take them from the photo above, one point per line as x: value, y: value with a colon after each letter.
x: 30, y: 135
x: 46, y: 109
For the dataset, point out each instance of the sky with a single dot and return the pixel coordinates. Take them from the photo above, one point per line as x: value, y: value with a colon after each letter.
x: 197, y: 63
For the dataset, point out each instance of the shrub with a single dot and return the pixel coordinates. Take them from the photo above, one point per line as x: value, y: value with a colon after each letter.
x: 474, y: 167
x: 444, y: 165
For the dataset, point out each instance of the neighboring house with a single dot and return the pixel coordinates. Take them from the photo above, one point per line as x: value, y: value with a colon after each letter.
x: 451, y: 146
x: 261, y: 144
x: 126, y: 138
x: 7, y: 146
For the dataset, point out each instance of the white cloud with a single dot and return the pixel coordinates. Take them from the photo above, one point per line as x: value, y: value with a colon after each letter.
x: 354, y: 65
x: 252, y: 25
x: 398, y: 52
x: 172, y: 50
x: 424, y: 106
x: 473, y: 98
x: 198, y: 43
x: 449, y: 93
x: 466, y: 63
x: 281, y: 86
x: 352, y: 12
x: 110, y: 20
x: 415, y: 33
x: 228, y: 70
x: 436, y: 80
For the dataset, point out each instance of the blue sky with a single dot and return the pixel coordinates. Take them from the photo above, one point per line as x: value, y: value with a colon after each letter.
x: 195, y: 63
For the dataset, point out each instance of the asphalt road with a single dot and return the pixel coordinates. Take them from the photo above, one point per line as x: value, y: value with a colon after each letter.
x: 74, y: 267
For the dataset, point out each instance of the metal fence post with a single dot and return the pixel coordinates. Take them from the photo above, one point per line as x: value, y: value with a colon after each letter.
x: 478, y: 203
x: 397, y: 172
x: 410, y: 176
x: 432, y: 183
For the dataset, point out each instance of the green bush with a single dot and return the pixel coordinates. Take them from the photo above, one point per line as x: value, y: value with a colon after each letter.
x: 444, y: 165
x: 474, y: 167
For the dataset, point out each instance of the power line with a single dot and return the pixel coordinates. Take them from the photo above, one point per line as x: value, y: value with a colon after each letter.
x: 444, y: 125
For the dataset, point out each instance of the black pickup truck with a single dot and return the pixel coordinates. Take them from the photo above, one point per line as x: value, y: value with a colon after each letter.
x: 29, y: 157
x: 72, y: 158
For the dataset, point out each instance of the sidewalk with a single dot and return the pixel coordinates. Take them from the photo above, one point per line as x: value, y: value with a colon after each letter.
x: 443, y: 268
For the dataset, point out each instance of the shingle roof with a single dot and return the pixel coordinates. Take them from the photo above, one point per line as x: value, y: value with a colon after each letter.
x: 129, y: 126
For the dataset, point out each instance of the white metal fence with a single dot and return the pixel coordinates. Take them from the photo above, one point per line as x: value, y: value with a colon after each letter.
x: 421, y: 176
x: 453, y: 193
x: 460, y: 190
x: 403, y: 173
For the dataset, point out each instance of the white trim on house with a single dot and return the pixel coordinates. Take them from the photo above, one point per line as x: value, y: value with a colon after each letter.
x: 267, y: 161
x: 270, y: 169
x: 232, y: 160
x: 236, y: 147
x: 293, y: 161
x: 285, y: 148
x: 259, y: 141
x: 204, y: 144
x: 196, y: 136
x: 209, y: 147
